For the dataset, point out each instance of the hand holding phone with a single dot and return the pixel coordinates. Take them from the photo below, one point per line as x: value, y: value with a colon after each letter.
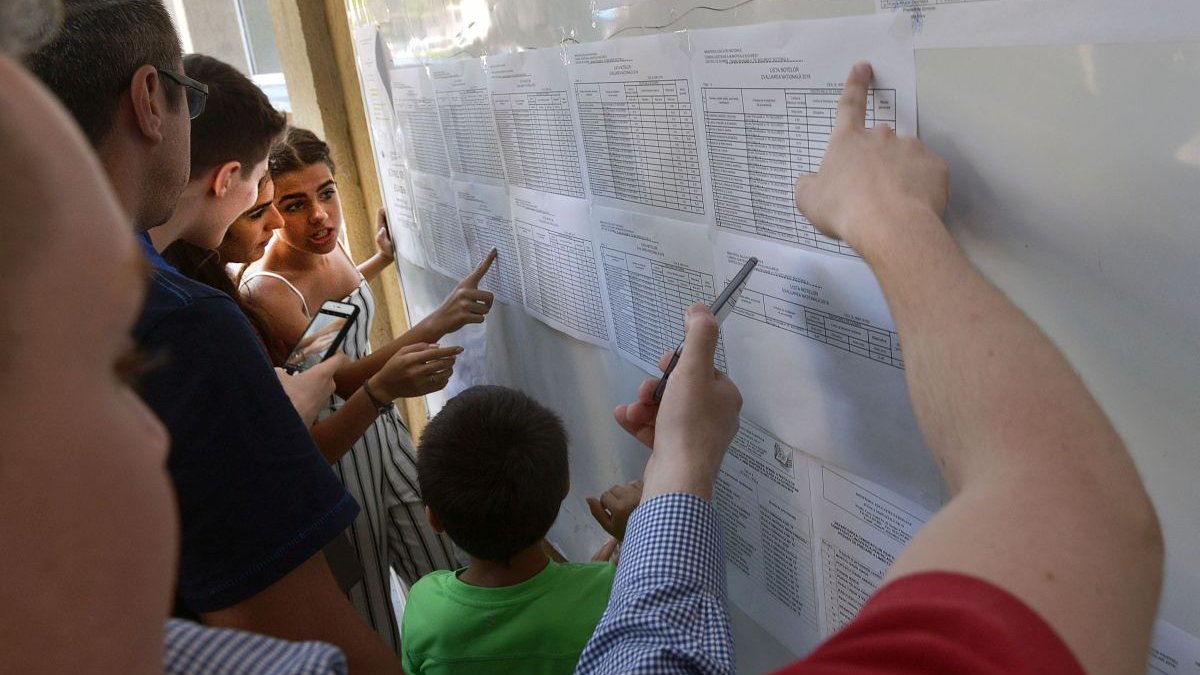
x: 309, y: 391
x: 323, y: 336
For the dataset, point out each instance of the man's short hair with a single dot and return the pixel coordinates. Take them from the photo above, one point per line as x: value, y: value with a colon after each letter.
x: 238, y: 124
x: 493, y: 469
x: 101, y: 43
x: 297, y: 150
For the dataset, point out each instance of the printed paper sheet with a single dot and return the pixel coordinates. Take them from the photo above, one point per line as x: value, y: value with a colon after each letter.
x: 560, y: 264
x: 769, y: 96
x: 465, y: 110
x: 535, y: 119
x: 487, y: 224
x: 654, y: 269
x: 640, y: 132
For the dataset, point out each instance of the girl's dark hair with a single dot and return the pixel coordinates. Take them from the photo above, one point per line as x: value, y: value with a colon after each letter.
x: 205, y: 266
x: 298, y: 149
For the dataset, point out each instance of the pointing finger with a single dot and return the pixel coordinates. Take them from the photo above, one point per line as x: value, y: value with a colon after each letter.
x: 472, y: 280
x: 852, y: 107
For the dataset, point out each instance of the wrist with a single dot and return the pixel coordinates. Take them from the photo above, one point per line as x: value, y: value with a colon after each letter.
x: 668, y: 473
x: 380, y: 397
x: 875, y: 231
x: 428, y: 329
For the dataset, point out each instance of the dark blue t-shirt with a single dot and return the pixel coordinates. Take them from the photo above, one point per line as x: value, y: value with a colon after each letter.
x: 256, y: 498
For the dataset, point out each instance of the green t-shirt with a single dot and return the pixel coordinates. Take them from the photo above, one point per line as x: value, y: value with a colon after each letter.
x: 537, y: 627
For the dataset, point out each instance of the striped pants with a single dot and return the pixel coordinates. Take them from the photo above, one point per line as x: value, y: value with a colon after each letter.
x: 391, y: 531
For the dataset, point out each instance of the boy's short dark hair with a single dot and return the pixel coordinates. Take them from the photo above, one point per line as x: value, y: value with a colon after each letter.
x: 238, y: 124
x: 98, y: 47
x: 493, y: 469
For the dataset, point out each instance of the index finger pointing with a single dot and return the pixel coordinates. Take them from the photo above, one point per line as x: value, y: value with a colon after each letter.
x: 476, y: 276
x: 852, y: 106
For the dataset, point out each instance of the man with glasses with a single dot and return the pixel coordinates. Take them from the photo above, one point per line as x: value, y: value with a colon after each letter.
x: 197, y: 92
x: 257, y: 501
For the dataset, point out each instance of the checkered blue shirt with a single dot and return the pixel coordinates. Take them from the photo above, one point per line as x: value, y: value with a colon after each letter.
x: 193, y: 649
x: 667, y: 611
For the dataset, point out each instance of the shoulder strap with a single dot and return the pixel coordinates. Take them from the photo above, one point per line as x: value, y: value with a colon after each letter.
x: 350, y: 260
x: 280, y: 277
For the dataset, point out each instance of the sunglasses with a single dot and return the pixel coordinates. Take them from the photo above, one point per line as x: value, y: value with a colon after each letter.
x: 197, y: 92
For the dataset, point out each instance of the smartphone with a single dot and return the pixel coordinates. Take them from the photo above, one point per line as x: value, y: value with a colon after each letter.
x: 323, y: 336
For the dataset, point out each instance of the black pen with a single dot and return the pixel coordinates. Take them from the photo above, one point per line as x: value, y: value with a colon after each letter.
x: 721, y: 308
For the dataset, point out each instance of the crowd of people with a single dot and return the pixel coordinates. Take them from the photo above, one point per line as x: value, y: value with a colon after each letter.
x: 171, y: 500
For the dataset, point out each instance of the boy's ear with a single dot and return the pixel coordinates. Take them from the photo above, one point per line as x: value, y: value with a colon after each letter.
x: 223, y: 177
x: 433, y: 521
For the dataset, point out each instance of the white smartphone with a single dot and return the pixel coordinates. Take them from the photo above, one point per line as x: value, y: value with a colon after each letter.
x: 323, y: 336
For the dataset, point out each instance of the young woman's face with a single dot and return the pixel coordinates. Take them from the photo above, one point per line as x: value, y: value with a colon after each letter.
x: 247, y: 238
x: 312, y: 214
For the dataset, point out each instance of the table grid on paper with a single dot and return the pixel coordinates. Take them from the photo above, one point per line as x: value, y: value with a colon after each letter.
x: 441, y: 224
x: 424, y: 146
x: 849, y: 335
x: 538, y: 140
x: 648, y: 300
x: 561, y: 279
x: 496, y: 232
x: 471, y: 133
x: 760, y: 141
x: 640, y: 143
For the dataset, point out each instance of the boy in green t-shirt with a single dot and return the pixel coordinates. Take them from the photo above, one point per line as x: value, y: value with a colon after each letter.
x: 493, y: 472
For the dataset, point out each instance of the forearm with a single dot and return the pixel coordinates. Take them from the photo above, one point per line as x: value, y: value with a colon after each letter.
x: 308, y: 605
x: 989, y: 389
x: 667, y: 610
x: 1046, y: 502
x: 336, y: 434
x: 371, y: 267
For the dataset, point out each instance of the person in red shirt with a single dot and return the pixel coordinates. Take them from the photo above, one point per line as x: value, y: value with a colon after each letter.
x: 1046, y: 560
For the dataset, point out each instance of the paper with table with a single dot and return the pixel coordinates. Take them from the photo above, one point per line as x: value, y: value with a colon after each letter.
x: 654, y: 269
x: 464, y: 108
x: 441, y: 229
x: 536, y: 123
x: 415, y: 103
x: 640, y: 132
x: 763, y: 499
x: 487, y: 224
x: 815, y: 351
x: 559, y: 264
x: 861, y: 527
x: 806, y: 542
x: 769, y: 97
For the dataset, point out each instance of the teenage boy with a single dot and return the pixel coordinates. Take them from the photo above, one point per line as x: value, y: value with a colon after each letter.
x: 229, y: 147
x: 257, y: 501
x: 493, y: 470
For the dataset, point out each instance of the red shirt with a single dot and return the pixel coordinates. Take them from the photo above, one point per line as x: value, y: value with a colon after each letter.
x: 940, y: 623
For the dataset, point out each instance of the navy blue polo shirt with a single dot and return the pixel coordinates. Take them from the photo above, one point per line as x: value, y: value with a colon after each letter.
x: 256, y: 497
